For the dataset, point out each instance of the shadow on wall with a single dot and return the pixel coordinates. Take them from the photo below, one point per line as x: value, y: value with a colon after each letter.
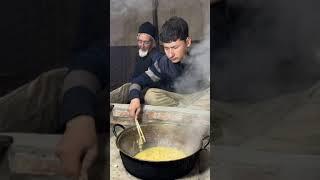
x: 122, y: 60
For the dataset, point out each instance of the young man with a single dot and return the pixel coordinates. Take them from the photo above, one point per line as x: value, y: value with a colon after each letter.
x: 147, y: 52
x: 164, y: 71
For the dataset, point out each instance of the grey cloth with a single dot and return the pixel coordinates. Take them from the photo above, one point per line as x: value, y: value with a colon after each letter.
x: 121, y: 94
x: 160, y: 97
x: 33, y: 107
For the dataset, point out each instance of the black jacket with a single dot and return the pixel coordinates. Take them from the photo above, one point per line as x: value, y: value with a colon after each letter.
x: 142, y: 63
x: 161, y: 74
x: 86, y: 78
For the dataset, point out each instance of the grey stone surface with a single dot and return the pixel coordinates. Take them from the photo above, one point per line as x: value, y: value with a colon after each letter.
x: 33, y: 154
x: 120, y: 114
x: 32, y: 157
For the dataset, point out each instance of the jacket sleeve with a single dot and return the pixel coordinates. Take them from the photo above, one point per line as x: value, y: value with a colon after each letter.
x: 86, y: 77
x: 161, y: 69
x: 154, y: 55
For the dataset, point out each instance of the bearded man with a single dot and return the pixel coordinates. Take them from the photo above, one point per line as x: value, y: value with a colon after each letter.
x: 146, y: 55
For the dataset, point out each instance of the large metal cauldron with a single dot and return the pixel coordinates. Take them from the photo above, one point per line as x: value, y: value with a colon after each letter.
x: 183, y: 137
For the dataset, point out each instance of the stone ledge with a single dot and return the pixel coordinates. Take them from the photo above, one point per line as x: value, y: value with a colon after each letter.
x: 33, y: 154
x: 120, y: 115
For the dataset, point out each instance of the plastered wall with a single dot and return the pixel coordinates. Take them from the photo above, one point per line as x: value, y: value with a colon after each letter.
x: 127, y: 15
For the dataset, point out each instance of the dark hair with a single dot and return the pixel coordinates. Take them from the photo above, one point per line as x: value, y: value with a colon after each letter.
x: 173, y: 29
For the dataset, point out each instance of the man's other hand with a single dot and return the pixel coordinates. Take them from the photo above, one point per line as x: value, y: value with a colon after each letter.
x: 78, y: 147
x: 134, y: 107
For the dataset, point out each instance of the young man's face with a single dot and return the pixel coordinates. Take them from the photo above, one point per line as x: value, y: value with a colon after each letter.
x: 177, y: 50
x: 144, y: 43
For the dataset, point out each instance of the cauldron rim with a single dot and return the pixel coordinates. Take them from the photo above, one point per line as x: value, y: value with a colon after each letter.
x: 132, y: 128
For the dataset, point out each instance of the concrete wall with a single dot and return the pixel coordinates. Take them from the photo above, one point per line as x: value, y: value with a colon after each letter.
x: 195, y: 12
x: 125, y: 18
x: 127, y: 15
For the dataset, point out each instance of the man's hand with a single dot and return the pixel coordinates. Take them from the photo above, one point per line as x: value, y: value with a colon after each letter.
x: 78, y: 147
x: 134, y: 107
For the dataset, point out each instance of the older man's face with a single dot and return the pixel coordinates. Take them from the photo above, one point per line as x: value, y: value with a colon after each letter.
x: 144, y: 43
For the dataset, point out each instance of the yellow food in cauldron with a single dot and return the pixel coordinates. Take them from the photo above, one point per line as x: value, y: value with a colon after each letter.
x: 160, y: 154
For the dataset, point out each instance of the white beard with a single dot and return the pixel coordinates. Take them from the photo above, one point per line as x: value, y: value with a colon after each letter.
x: 142, y: 53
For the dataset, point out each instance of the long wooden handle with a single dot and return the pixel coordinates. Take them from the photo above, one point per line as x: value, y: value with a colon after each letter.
x: 141, y: 135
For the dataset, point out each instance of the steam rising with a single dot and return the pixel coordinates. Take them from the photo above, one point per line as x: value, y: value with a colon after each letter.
x: 271, y: 49
x: 197, y: 75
